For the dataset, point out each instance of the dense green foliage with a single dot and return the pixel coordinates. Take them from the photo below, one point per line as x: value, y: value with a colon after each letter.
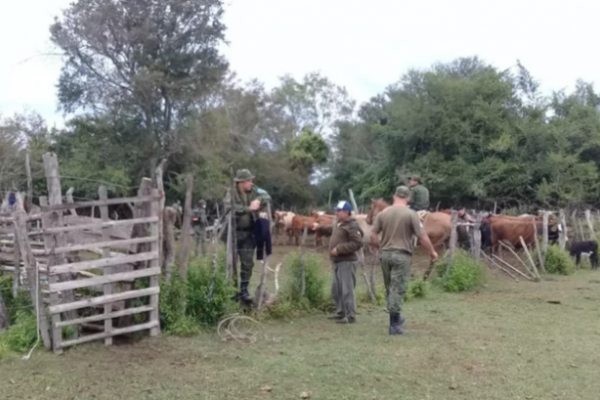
x: 558, y: 261
x: 466, y: 273
x: 200, y: 301
x: 315, y: 295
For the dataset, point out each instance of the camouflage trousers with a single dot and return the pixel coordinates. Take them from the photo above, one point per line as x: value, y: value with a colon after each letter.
x: 200, y: 238
x: 396, y: 274
x: 245, y: 249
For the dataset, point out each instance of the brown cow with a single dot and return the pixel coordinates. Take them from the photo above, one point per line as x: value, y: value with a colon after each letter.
x: 508, y: 230
x: 298, y: 222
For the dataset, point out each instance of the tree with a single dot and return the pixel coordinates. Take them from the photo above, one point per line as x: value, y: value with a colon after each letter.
x: 146, y: 59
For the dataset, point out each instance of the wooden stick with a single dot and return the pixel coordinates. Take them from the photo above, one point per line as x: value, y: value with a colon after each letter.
x: 511, y: 267
x: 103, y: 317
x: 103, y: 263
x: 108, y: 287
x: 537, y: 248
x: 304, y: 233
x: 184, y: 252
x: 105, y: 245
x: 161, y: 207
x: 514, y: 253
x: 100, y: 225
x: 562, y: 238
x: 453, y: 238
x: 361, y: 252
x: 537, y: 274
x: 499, y: 267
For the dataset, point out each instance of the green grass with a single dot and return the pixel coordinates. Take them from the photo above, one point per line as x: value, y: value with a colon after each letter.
x: 504, y: 341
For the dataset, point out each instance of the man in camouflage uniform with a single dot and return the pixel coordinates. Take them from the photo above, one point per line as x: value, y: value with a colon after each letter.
x: 397, y: 225
x: 200, y: 223
x: 248, y: 202
x: 419, y: 194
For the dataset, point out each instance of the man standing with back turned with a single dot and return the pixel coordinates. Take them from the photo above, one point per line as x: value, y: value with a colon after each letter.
x: 397, y: 225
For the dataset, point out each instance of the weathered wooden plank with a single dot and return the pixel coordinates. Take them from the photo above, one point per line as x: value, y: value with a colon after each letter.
x: 104, y: 279
x: 106, y: 245
x: 108, y: 287
x: 115, y: 332
x: 98, y: 226
x: 98, y: 203
x: 155, y: 265
x: 103, y: 263
x: 103, y: 317
x: 95, y: 301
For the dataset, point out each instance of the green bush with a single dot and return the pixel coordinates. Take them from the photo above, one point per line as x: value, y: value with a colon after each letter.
x: 21, y: 302
x: 22, y: 333
x: 558, y: 261
x: 417, y: 289
x: 466, y: 272
x: 315, y: 283
x: 201, y: 300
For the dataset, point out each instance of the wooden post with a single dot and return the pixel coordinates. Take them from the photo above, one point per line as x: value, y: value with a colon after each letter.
x: 29, y: 181
x: 184, y: 251
x: 304, y: 233
x: 536, y: 273
x: 233, y: 227
x: 70, y: 200
x: 265, y: 265
x: 169, y: 241
x: 361, y: 253
x: 17, y: 261
x: 574, y: 219
x: 476, y: 250
x: 30, y: 265
x: 4, y: 318
x: 453, y: 238
x: 562, y: 230
x: 588, y: 218
x: 161, y: 207
x: 537, y: 247
x: 108, y: 287
x: 155, y: 263
x: 545, y: 238
x: 55, y: 198
x: 230, y: 248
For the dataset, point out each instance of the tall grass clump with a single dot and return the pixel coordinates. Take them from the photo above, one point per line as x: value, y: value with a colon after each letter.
x: 466, y: 273
x: 22, y: 332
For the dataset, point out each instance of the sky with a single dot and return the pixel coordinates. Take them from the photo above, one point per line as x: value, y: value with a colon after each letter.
x: 362, y: 45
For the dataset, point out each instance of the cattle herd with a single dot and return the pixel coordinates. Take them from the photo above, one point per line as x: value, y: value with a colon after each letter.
x: 494, y: 228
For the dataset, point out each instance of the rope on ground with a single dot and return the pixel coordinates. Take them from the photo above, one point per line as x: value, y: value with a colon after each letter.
x: 229, y: 329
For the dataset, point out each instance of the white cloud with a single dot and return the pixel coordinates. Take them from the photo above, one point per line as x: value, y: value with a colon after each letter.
x: 363, y: 45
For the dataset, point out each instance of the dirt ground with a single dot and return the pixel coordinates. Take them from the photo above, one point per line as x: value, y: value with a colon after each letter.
x: 503, y: 342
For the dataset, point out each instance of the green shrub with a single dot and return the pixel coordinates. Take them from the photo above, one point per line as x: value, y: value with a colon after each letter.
x: 315, y: 283
x: 417, y: 289
x: 466, y: 272
x: 558, y: 261
x: 201, y: 300
x: 22, y: 333
x: 208, y: 297
x: 21, y: 302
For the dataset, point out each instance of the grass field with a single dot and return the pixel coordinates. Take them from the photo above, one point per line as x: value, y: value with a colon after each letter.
x: 503, y: 342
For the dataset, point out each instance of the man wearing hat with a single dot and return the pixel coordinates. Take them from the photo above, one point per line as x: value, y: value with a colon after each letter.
x: 397, y: 225
x: 247, y: 204
x: 200, y: 223
x: 419, y: 194
x: 346, y: 240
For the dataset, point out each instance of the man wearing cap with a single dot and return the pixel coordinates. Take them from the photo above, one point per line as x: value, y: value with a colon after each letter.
x: 200, y: 223
x: 419, y: 194
x: 346, y: 240
x: 397, y: 225
x: 247, y: 204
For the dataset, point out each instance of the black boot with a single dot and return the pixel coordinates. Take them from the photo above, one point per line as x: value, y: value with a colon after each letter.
x: 395, y: 324
x: 245, y: 296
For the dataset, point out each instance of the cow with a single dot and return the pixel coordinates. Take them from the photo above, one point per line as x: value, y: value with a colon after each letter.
x: 508, y: 229
x: 589, y: 247
x: 298, y: 222
x: 283, y: 224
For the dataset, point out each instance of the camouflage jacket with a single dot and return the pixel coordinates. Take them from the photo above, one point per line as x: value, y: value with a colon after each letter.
x: 199, y: 217
x: 419, y: 197
x: 244, y: 218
